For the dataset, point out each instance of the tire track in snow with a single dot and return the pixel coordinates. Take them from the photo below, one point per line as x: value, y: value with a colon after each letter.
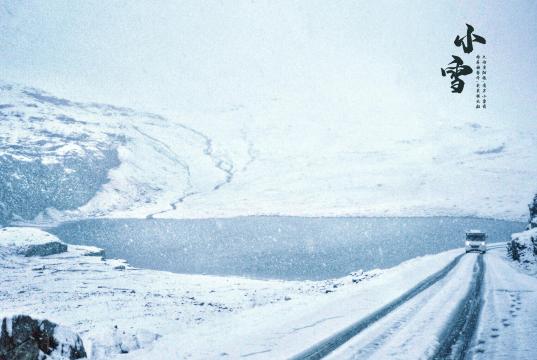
x: 460, y: 331
x: 328, y: 345
x: 397, y: 324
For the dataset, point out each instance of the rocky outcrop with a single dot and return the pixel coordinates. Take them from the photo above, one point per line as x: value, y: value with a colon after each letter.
x: 523, y: 245
x: 93, y: 251
x: 25, y: 338
x: 46, y: 249
x: 27, y: 241
x: 533, y: 213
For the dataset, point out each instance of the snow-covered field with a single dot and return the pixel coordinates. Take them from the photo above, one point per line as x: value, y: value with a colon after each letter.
x: 116, y: 308
x: 130, y: 313
x: 94, y: 296
x: 75, y: 160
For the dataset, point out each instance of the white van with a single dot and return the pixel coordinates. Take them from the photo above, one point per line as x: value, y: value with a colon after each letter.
x: 476, y: 240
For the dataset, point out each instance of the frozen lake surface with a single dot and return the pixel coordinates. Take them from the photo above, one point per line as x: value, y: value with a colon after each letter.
x: 277, y: 247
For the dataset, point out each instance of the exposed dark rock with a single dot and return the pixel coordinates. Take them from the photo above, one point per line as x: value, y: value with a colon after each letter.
x: 533, y: 213
x: 50, y: 248
x: 523, y: 246
x: 99, y: 252
x: 24, y: 338
x: 495, y: 150
x: 514, y: 248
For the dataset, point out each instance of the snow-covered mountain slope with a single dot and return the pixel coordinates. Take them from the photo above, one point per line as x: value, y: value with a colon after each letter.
x: 62, y: 159
x: 97, y: 160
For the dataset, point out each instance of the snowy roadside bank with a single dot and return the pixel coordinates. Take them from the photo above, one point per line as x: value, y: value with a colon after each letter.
x: 523, y: 246
x: 120, y: 309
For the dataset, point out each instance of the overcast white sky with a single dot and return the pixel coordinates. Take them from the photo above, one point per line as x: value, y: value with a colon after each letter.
x: 357, y: 56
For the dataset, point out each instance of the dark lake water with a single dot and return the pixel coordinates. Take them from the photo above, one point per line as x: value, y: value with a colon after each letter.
x: 277, y: 247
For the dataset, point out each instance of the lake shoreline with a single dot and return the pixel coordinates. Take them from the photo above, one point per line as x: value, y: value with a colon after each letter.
x: 287, y: 248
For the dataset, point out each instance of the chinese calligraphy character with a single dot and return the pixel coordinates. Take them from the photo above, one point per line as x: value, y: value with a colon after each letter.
x: 468, y: 46
x: 455, y: 71
x: 457, y: 68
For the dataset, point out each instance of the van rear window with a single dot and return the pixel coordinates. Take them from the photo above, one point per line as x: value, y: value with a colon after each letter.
x: 475, y: 237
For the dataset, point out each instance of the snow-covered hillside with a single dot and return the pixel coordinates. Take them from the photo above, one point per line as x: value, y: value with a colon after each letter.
x: 98, y: 159
x: 62, y: 159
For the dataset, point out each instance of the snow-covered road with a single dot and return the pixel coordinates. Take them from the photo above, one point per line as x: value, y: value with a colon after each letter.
x: 320, y: 350
x: 415, y: 329
x: 484, y: 309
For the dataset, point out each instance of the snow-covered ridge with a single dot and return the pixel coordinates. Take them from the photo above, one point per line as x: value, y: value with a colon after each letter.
x: 35, y: 242
x: 23, y: 237
x: 29, y: 242
x: 62, y: 159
